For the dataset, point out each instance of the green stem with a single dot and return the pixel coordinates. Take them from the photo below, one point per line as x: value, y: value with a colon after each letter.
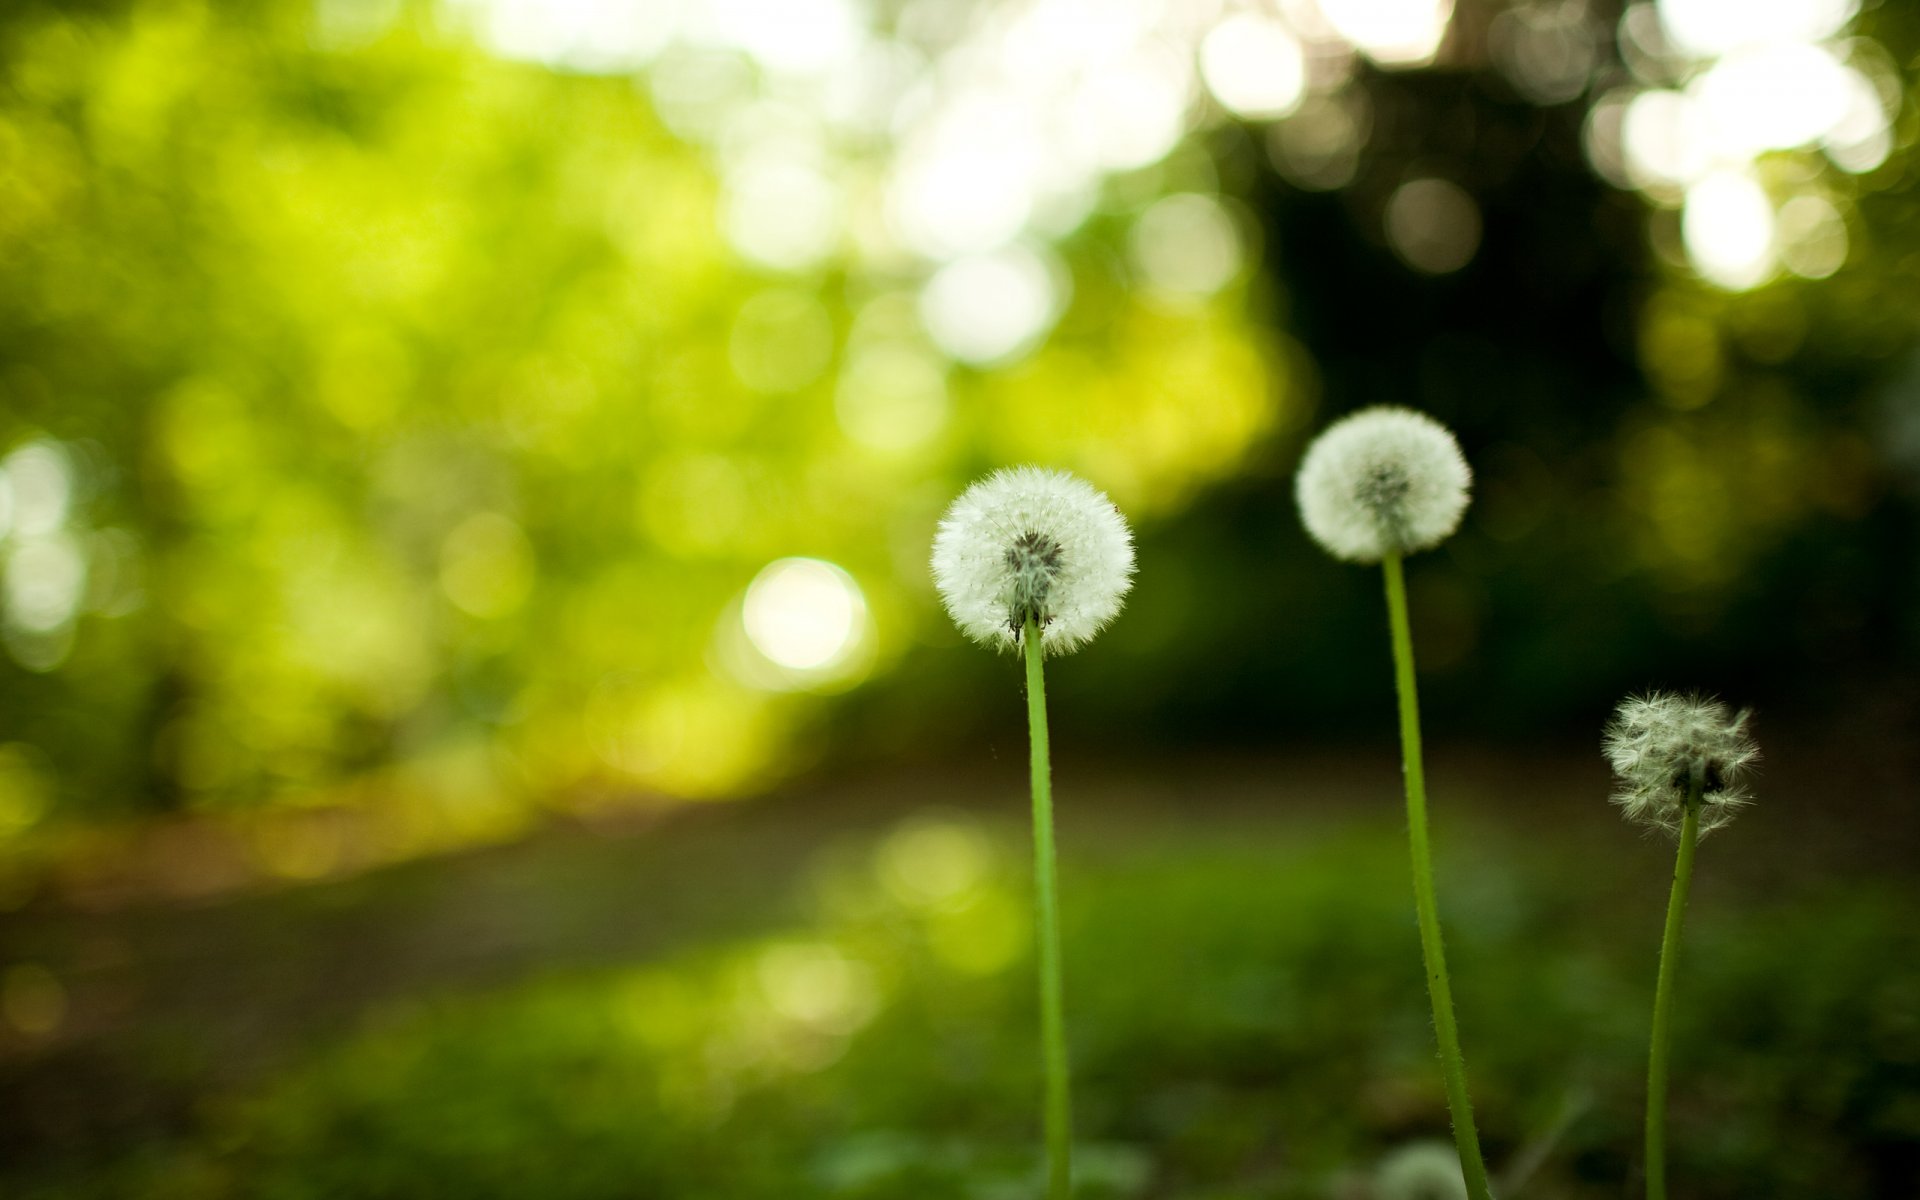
x: 1663, y: 995
x: 1452, y: 1065
x: 1053, y: 1035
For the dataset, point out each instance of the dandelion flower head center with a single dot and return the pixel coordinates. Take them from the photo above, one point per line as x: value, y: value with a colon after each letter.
x: 1033, y: 563
x: 1383, y: 489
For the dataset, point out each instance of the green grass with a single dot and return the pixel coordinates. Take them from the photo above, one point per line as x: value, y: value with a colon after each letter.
x: 1246, y: 1020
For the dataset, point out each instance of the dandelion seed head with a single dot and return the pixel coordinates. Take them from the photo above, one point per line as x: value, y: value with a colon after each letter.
x: 1656, y: 742
x: 1026, y: 541
x: 1424, y: 1170
x: 1383, y: 480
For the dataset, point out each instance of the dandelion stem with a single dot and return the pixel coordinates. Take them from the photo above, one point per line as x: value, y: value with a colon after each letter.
x: 1053, y: 1036
x: 1663, y: 993
x: 1452, y: 1066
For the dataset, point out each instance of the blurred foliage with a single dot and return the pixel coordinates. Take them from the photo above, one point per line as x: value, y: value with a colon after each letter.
x: 1676, y: 484
x: 387, y: 425
x: 1245, y: 1023
x: 410, y: 434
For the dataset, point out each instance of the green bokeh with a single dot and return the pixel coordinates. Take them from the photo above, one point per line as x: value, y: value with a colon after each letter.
x: 1246, y: 1021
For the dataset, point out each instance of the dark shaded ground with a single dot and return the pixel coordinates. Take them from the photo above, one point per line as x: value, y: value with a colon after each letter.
x: 171, y: 1004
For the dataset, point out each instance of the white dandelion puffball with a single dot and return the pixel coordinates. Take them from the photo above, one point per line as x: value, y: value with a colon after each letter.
x: 1024, y: 542
x: 1655, y: 742
x: 1384, y: 480
x: 1426, y: 1170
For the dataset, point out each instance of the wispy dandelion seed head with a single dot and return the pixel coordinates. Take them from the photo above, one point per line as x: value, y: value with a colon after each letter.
x: 1656, y: 742
x: 1382, y: 480
x: 1026, y: 541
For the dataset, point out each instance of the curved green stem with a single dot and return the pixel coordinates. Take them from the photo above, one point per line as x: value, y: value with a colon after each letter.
x: 1439, y: 991
x: 1053, y: 1035
x: 1663, y: 995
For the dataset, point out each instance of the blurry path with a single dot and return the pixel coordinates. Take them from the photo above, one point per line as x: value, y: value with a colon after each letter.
x: 170, y: 1003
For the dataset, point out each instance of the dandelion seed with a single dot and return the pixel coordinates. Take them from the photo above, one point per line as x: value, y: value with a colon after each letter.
x: 1656, y: 742
x: 1031, y: 543
x: 1383, y: 481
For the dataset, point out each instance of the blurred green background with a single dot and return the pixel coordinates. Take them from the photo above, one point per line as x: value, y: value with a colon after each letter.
x: 430, y: 426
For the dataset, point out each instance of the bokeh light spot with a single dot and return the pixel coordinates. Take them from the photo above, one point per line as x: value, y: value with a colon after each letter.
x: 892, y: 398
x: 1186, y: 245
x: 1812, y: 236
x: 1862, y: 136
x: 796, y: 37
x: 814, y: 983
x: 1727, y: 225
x: 1547, y: 50
x: 1705, y: 28
x: 1663, y: 140
x: 486, y: 565
x: 45, y: 580
x: 990, y: 309
x: 696, y: 90
x: 1318, y: 147
x: 583, y: 35
x: 1254, y: 66
x: 781, y: 213
x: 1130, y: 114
x: 1393, y: 33
x: 934, y: 863
x: 40, y: 480
x: 966, y: 183
x: 805, y: 615
x: 1772, y: 98
x: 1433, y: 225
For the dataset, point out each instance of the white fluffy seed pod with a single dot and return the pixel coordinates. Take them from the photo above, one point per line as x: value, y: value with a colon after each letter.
x: 1384, y: 480
x: 1656, y: 741
x: 1027, y: 541
x: 1427, y: 1170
